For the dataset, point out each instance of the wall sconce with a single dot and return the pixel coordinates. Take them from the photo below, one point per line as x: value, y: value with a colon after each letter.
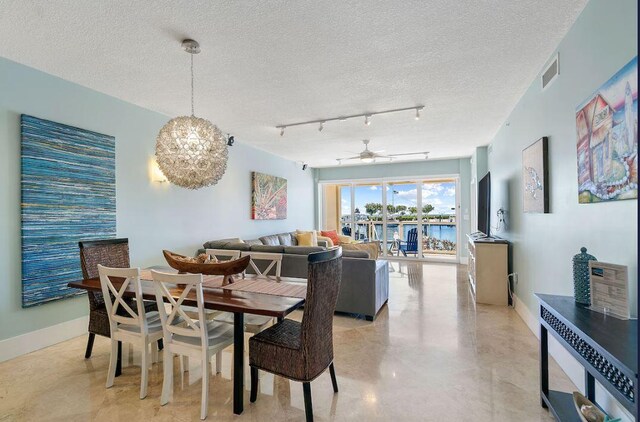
x: 155, y: 174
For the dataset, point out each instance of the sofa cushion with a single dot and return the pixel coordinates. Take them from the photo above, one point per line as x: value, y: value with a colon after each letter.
x: 372, y: 248
x: 327, y: 241
x: 314, y: 234
x: 285, y: 239
x: 219, y: 244
x: 268, y: 248
x: 236, y: 246
x: 271, y: 240
x: 331, y: 234
x: 294, y: 239
x: 253, y: 242
x: 303, y: 250
x: 355, y: 254
x: 306, y: 239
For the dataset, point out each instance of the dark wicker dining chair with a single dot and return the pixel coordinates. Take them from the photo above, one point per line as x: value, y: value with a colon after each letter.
x: 303, y: 351
x: 112, y: 253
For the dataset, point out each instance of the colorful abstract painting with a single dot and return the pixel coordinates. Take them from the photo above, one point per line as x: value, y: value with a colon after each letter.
x: 607, y: 131
x: 68, y: 195
x: 269, y: 200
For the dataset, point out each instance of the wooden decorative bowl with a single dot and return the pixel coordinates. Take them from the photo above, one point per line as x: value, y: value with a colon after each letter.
x: 224, y: 268
x: 596, y: 416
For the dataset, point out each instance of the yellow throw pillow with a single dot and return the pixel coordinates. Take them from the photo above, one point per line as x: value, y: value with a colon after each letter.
x: 313, y: 233
x: 305, y: 239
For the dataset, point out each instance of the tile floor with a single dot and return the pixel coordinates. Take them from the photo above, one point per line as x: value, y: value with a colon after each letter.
x: 431, y: 355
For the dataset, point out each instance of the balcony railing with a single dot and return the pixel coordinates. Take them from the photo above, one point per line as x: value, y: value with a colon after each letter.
x: 439, y: 235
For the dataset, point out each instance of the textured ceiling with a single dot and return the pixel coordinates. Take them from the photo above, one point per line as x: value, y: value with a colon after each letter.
x: 265, y: 63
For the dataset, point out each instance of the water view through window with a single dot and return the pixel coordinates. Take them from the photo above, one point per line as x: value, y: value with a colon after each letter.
x: 411, y: 232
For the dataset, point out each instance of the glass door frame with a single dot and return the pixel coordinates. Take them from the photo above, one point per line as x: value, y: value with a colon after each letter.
x: 384, y: 182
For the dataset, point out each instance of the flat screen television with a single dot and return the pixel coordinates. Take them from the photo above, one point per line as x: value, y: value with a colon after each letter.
x: 484, y: 204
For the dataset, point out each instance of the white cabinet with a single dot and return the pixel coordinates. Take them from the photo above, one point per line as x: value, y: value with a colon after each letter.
x: 488, y: 270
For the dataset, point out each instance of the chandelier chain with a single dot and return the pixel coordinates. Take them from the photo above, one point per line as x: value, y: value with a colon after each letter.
x: 192, y: 108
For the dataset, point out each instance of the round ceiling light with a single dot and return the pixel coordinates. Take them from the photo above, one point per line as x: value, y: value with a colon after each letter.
x: 191, y: 152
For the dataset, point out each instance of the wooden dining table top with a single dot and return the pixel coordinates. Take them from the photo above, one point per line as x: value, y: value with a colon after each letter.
x: 214, y: 298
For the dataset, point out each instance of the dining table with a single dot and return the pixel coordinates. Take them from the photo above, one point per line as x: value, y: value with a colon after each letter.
x: 244, y: 296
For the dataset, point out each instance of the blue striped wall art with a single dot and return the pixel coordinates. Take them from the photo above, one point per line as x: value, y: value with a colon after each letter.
x: 68, y: 194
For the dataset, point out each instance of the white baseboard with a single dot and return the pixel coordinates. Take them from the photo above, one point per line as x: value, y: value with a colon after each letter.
x: 464, y: 260
x: 570, y: 365
x: 39, y: 339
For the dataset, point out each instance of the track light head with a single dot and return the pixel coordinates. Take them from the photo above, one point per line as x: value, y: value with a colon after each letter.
x: 321, y: 127
x: 367, y: 119
x: 282, y: 130
x: 230, y: 140
x: 304, y: 166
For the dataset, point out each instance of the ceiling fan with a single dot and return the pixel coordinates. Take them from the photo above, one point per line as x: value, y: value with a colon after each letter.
x: 367, y: 156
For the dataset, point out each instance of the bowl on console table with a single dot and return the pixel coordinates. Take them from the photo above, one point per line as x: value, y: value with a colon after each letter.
x: 228, y: 269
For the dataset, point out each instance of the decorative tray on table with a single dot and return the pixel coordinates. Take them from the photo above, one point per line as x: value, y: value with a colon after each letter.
x: 199, y: 265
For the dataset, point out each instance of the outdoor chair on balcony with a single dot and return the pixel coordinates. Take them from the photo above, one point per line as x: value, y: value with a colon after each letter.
x: 346, y: 231
x: 410, y: 246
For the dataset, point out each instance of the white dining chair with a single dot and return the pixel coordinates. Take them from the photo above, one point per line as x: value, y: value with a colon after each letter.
x: 224, y: 253
x: 273, y: 261
x: 255, y: 323
x: 199, y: 339
x: 128, y: 325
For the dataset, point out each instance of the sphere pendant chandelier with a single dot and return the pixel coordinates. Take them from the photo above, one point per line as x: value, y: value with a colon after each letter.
x: 191, y: 152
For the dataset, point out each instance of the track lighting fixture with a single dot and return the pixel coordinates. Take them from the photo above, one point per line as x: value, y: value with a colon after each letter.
x: 367, y: 118
x: 230, y: 140
x: 304, y: 166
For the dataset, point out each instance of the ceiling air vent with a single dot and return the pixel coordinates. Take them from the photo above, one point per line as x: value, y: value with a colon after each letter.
x: 551, y: 72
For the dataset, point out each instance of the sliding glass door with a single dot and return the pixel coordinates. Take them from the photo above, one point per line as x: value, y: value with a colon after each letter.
x: 439, y: 218
x: 346, y: 209
x: 368, y: 211
x: 402, y: 219
x: 410, y: 219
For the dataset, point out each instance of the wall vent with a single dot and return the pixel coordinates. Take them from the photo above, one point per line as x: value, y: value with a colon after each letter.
x: 551, y: 72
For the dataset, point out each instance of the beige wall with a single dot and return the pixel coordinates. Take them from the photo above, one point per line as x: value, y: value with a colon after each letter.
x: 330, y: 213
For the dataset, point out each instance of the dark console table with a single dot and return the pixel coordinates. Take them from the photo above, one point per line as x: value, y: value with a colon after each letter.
x: 604, y: 345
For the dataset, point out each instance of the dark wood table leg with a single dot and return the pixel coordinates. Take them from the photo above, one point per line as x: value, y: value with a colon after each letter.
x: 544, y: 365
x: 590, y: 386
x: 238, y: 362
x: 119, y: 360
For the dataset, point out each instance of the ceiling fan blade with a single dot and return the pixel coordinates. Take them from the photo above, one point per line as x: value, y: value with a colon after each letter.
x: 382, y: 156
x: 348, y: 158
x: 408, y: 153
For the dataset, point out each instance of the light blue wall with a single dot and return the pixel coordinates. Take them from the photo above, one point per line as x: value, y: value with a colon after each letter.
x: 603, y: 39
x: 459, y: 166
x: 153, y: 216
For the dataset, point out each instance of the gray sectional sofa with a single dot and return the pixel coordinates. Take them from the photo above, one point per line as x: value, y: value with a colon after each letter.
x: 364, y: 289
